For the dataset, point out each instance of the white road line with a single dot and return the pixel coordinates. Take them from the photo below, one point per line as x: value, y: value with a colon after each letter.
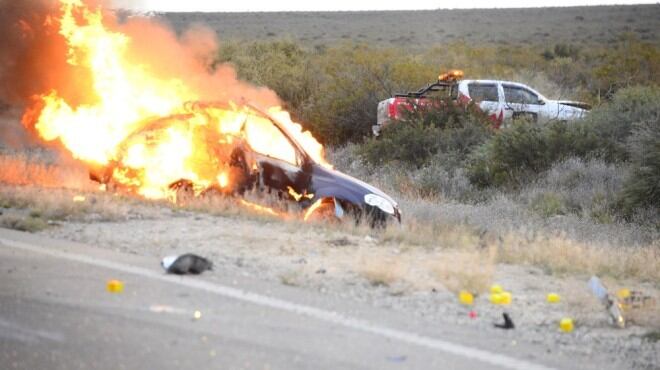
x: 280, y: 304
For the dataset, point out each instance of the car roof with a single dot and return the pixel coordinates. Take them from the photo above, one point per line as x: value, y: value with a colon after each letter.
x: 496, y: 82
x: 511, y: 83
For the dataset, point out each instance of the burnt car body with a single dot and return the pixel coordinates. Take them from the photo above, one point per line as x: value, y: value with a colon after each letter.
x: 308, y: 182
x: 304, y: 181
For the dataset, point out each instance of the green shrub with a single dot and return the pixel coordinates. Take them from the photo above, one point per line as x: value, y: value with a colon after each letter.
x: 350, y: 80
x: 282, y: 66
x: 441, y: 129
x: 412, y: 143
x: 642, y: 188
x: 612, y: 123
x: 548, y: 205
x: 628, y: 63
x: 516, y: 154
x: 334, y: 90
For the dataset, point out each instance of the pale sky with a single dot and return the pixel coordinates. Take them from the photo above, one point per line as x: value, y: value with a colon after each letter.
x: 310, y: 5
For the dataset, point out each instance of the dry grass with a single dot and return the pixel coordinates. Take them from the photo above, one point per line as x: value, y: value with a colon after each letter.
x: 383, y: 271
x: 561, y: 255
x: 35, y: 170
x: 423, y: 227
x: 292, y: 278
x: 431, y: 234
x: 466, y: 270
x: 72, y: 205
x: 30, y: 224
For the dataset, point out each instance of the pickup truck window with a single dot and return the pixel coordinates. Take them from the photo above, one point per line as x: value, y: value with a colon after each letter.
x: 483, y: 92
x: 519, y: 95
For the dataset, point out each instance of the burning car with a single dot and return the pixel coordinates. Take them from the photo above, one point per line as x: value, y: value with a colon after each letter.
x: 161, y: 128
x: 246, y: 162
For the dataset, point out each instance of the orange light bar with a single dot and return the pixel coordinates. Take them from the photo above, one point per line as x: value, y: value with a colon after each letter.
x: 451, y: 75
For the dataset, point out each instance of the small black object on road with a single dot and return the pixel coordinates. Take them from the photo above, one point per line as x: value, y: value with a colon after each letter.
x: 186, y: 264
x: 508, y: 323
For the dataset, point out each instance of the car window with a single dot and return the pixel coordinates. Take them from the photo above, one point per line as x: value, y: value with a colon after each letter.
x: 519, y: 95
x: 265, y: 138
x: 483, y: 92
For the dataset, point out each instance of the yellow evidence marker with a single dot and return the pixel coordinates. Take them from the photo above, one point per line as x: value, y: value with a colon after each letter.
x: 553, y: 298
x: 115, y: 286
x: 566, y: 325
x: 465, y: 297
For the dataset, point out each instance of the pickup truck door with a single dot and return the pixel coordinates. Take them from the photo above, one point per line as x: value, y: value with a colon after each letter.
x: 523, y: 103
x: 487, y: 96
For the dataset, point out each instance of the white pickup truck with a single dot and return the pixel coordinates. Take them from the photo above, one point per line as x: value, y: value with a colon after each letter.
x: 503, y: 101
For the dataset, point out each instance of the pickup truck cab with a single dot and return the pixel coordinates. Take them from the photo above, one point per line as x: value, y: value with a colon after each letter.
x: 503, y: 101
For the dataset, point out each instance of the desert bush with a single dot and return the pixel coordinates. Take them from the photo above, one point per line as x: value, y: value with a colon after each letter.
x: 549, y: 204
x: 448, y: 181
x: 642, y: 188
x: 412, y: 144
x: 282, y: 65
x: 440, y: 128
x: 613, y: 122
x: 628, y: 63
x: 583, y: 187
x: 351, y: 80
x: 333, y: 90
x: 516, y: 154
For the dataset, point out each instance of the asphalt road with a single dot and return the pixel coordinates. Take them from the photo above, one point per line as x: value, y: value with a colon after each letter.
x: 55, y: 313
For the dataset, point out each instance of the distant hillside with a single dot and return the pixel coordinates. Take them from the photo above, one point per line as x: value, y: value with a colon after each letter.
x: 590, y: 25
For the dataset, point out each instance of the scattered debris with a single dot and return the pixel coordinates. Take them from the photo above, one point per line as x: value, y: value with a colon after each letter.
x: 115, y: 286
x: 612, y: 305
x: 553, y: 298
x: 197, y: 315
x: 186, y: 264
x: 508, y: 323
x: 465, y: 297
x: 157, y: 308
x: 566, y: 325
x: 635, y: 300
x: 341, y: 242
x: 79, y: 198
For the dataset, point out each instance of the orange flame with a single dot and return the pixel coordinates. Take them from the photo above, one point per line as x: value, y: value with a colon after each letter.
x: 141, y: 125
x: 261, y: 209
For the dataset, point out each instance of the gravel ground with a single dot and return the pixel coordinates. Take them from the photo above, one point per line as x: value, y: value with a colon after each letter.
x: 334, y: 262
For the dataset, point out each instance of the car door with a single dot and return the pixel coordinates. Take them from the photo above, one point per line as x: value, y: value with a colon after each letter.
x: 523, y: 102
x: 486, y: 95
x: 281, y: 163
